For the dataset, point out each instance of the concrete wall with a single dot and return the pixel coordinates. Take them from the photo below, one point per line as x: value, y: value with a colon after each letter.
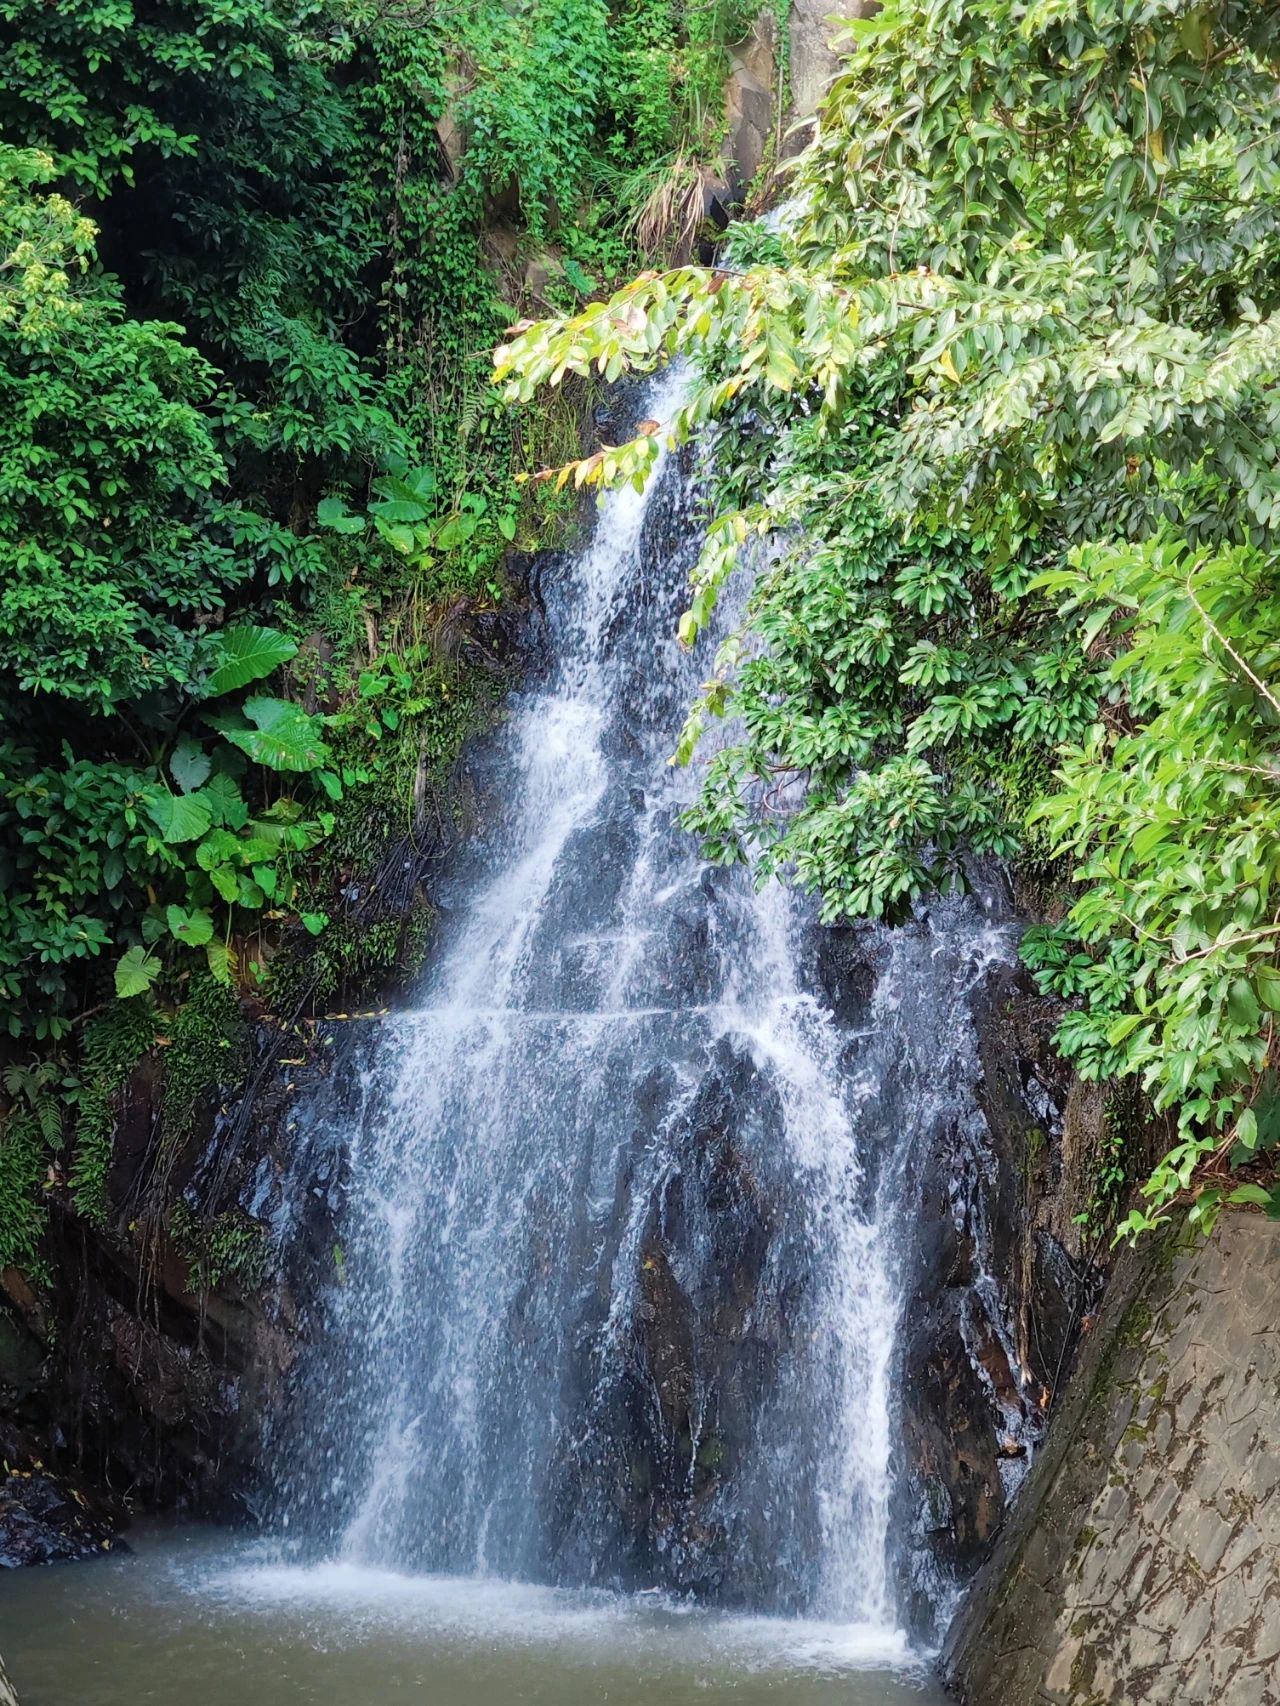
x: 1143, y: 1563
x: 813, y: 64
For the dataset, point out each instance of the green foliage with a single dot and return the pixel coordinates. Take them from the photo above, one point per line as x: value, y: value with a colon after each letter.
x: 530, y: 115
x: 207, y: 1052
x: 31, y: 1128
x: 873, y: 723
x: 1176, y: 827
x: 112, y: 1045
x: 231, y: 1246
x: 1008, y: 373
x: 253, y: 474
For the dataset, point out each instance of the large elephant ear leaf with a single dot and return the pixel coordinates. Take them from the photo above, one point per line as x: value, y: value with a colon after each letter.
x: 178, y: 817
x: 188, y: 765
x: 136, y: 971
x: 283, y: 737
x: 246, y: 652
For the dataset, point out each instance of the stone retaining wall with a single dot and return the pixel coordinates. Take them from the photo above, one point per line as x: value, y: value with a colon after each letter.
x: 1143, y: 1564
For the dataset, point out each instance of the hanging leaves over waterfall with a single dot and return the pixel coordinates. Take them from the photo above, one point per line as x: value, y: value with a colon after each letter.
x: 1001, y: 393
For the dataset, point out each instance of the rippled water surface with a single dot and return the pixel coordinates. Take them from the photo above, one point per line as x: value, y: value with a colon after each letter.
x: 192, y: 1619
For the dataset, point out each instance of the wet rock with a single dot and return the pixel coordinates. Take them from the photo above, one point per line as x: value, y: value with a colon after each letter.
x: 813, y: 60
x: 703, y: 1345
x: 999, y: 1287
x: 48, y: 1518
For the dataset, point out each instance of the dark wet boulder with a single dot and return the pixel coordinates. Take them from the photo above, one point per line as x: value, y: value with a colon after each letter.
x: 48, y: 1518
x: 998, y: 1284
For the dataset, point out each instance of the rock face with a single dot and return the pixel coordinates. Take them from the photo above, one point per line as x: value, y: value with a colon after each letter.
x: 750, y: 97
x: 813, y: 61
x: 703, y: 1345
x: 1143, y: 1563
x: 997, y: 1285
x: 46, y: 1518
x: 137, y: 1379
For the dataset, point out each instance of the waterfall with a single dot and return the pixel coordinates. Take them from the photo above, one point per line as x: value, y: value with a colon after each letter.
x: 619, y: 1276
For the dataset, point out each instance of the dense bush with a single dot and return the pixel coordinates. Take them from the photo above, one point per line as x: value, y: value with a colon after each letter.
x: 249, y: 452
x: 1004, y: 393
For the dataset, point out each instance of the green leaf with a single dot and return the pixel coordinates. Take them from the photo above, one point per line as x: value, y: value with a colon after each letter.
x: 314, y: 922
x: 1122, y: 1027
x: 222, y: 962
x: 332, y: 513
x: 225, y: 881
x: 284, y: 737
x: 194, y: 928
x: 399, y: 537
x: 189, y: 765
x: 178, y: 817
x: 246, y: 653
x: 136, y: 971
x: 225, y: 801
x: 1251, y: 1194
x: 154, y: 928
x: 249, y: 894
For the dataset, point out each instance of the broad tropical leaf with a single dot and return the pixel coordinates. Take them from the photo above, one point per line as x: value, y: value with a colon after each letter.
x: 246, y: 653
x: 136, y: 971
x: 189, y: 765
x: 195, y: 928
x: 178, y: 817
x: 283, y: 736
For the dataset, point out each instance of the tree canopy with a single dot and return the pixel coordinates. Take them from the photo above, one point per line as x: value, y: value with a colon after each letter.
x: 1002, y: 389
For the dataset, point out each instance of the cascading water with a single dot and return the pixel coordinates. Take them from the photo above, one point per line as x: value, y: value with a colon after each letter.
x: 620, y: 1277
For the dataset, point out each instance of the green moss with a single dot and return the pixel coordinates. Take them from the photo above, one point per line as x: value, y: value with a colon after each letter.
x: 1136, y: 1325
x: 230, y: 1247
x: 22, y: 1211
x: 208, y: 1043
x: 111, y: 1048
x: 406, y: 804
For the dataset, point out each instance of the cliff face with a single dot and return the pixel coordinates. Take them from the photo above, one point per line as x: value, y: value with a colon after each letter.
x: 813, y: 61
x: 999, y: 1280
x: 1143, y: 1561
x: 140, y: 1365
x: 140, y: 1375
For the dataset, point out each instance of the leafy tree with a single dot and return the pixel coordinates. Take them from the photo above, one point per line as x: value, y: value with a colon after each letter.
x: 1008, y: 375
x: 249, y: 450
x: 122, y: 551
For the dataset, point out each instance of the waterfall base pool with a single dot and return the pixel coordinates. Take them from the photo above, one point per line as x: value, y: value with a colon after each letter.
x: 194, y: 1618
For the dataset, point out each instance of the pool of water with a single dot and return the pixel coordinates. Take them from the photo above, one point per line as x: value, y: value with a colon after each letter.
x: 196, y: 1619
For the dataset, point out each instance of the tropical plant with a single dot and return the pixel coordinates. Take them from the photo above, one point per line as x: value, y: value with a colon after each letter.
x: 1004, y: 388
x: 254, y: 478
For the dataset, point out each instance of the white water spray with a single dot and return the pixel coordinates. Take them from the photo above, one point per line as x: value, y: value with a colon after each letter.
x: 620, y: 1287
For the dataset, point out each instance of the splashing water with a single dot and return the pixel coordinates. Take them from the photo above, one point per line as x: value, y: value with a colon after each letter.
x: 620, y: 1284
